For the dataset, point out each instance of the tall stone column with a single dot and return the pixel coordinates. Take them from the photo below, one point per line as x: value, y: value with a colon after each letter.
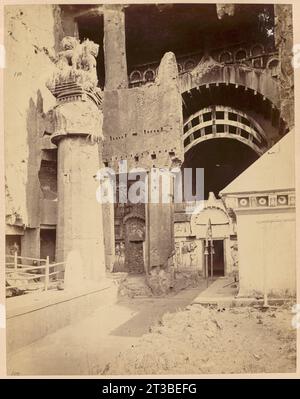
x: 160, y: 246
x: 115, y: 78
x: 115, y: 48
x: 159, y: 221
x: 79, y: 220
x: 109, y: 237
x: 77, y: 120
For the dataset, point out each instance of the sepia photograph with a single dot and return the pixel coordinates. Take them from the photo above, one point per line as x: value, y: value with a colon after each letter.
x: 149, y: 179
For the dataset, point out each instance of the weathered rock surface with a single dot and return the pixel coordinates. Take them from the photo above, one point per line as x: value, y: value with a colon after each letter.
x: 284, y: 43
x: 31, y: 36
x: 160, y: 281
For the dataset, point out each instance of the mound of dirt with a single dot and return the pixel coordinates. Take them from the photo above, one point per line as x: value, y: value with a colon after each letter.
x: 203, y: 340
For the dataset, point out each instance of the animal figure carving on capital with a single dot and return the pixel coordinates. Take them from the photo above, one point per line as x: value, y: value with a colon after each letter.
x: 76, y: 61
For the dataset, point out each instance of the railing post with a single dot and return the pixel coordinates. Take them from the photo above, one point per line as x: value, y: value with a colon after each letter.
x: 16, y: 260
x: 47, y: 274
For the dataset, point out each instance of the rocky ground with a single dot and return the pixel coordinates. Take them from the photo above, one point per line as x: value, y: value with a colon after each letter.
x: 214, y: 340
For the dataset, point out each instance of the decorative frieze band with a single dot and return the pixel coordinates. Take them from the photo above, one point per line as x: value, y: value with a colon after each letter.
x: 266, y: 201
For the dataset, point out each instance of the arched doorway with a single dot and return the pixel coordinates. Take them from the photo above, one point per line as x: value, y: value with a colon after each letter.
x: 216, y: 217
x: 224, y: 142
x: 223, y: 159
x: 191, y: 239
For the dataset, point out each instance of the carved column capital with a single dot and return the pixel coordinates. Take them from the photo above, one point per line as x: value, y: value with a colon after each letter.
x: 77, y: 118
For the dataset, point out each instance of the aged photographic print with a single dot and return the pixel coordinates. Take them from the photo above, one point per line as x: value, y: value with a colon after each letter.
x: 150, y: 189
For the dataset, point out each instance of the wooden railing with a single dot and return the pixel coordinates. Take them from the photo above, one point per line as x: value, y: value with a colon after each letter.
x: 23, y: 277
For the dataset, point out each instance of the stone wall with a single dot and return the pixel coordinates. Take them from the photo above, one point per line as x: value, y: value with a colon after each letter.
x: 267, y: 251
x: 31, y: 36
x: 144, y: 125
